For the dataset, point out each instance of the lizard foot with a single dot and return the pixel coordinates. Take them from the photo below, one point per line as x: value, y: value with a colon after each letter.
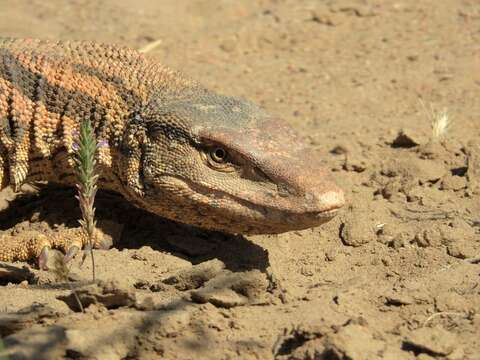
x: 32, y: 244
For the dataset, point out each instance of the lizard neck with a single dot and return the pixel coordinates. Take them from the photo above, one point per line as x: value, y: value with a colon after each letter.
x: 60, y: 169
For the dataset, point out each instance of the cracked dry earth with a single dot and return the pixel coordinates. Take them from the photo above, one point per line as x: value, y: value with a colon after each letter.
x: 395, y: 276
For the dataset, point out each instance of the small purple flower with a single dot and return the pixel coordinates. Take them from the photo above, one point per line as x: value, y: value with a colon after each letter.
x: 102, y: 143
x: 75, y: 147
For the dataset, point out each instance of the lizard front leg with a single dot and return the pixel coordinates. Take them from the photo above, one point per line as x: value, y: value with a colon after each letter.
x: 32, y: 244
x: 23, y: 247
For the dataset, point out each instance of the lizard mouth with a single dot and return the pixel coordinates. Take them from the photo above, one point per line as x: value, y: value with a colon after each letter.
x: 240, y: 215
x: 326, y: 213
x: 209, y: 193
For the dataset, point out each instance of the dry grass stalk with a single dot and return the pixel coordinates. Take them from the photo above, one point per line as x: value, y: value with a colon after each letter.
x: 150, y: 46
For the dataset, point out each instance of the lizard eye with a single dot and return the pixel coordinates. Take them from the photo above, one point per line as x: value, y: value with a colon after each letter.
x: 218, y: 154
x: 219, y: 159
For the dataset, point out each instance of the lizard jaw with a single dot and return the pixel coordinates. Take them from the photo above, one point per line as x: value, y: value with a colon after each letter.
x: 222, y: 211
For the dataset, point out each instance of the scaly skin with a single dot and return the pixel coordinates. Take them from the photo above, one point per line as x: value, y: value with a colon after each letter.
x: 31, y: 244
x: 174, y: 148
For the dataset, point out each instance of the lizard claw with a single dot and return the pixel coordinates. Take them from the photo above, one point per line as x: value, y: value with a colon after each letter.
x: 43, y: 258
x: 71, y: 252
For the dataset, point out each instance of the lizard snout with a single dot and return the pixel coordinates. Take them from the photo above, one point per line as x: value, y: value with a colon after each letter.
x: 310, y: 189
x: 330, y: 201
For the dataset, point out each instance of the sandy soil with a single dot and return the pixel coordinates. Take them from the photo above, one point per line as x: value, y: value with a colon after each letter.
x: 395, y: 276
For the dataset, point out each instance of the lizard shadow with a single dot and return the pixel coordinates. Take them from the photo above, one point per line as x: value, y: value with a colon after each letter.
x: 53, y: 207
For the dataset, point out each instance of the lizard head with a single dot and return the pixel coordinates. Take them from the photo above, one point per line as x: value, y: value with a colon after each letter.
x: 222, y: 163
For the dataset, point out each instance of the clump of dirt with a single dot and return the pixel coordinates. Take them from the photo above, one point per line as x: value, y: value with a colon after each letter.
x: 108, y: 294
x: 394, y: 276
x: 233, y: 289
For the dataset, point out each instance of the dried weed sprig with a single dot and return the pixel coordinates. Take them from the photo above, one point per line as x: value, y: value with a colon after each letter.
x: 440, y: 124
x: 85, y: 167
x: 440, y: 121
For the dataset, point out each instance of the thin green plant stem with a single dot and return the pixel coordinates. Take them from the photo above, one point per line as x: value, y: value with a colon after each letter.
x: 3, y: 351
x: 87, y: 177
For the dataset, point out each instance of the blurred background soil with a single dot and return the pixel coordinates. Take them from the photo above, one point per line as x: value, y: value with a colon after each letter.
x: 395, y: 276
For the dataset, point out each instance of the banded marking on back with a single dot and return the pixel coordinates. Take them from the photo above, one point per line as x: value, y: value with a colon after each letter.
x: 20, y: 112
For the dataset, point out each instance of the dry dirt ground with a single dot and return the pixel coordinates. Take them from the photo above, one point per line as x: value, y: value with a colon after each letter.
x: 394, y: 276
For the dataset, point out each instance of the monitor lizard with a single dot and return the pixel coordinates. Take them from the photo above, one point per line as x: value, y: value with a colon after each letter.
x: 173, y: 147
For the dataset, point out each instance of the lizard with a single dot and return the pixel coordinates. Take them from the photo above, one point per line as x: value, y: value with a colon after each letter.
x: 173, y: 147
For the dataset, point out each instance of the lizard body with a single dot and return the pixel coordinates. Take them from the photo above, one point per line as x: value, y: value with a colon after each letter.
x: 174, y: 148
